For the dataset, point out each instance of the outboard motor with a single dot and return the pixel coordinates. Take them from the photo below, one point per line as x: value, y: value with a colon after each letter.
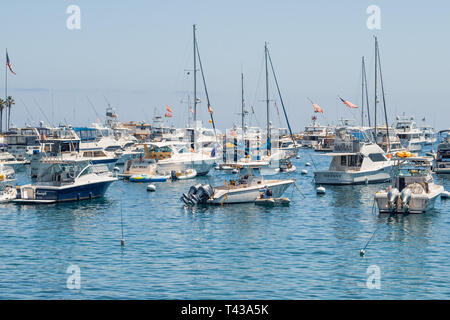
x: 405, y: 197
x: 198, y: 194
x: 392, y: 197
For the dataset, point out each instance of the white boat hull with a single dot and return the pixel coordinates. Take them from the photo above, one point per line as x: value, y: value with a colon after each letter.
x: 250, y: 194
x: 353, y: 177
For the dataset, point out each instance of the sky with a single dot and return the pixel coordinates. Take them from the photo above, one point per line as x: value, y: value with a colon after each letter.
x: 135, y: 55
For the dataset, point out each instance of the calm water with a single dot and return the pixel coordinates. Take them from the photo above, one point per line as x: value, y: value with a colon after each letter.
x: 309, y: 250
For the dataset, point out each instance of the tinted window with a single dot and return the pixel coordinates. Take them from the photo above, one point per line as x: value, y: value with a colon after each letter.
x: 376, y: 157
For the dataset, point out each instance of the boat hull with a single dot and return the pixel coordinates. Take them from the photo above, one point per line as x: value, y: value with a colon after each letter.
x: 354, y: 177
x: 418, y: 203
x: 250, y: 194
x: 43, y: 194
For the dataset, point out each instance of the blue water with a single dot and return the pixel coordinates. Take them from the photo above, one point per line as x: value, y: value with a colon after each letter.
x: 309, y: 250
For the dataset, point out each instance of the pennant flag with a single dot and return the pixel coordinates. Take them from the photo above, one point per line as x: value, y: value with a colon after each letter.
x: 213, y: 151
x: 317, y: 108
x: 168, y: 115
x: 210, y: 109
x: 8, y: 63
x: 168, y: 108
x: 348, y: 103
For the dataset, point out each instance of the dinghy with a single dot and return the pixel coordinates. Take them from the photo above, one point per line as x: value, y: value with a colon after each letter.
x: 184, y: 174
x: 148, y: 178
x: 271, y: 202
x: 7, y: 194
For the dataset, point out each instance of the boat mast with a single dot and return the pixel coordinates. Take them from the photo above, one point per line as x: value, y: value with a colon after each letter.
x: 242, y: 107
x: 267, y: 101
x: 376, y: 82
x: 195, y: 75
x: 367, y: 94
x: 362, y: 91
x: 384, y: 101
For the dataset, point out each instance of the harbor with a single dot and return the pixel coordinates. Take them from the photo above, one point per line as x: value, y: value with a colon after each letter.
x: 221, y: 172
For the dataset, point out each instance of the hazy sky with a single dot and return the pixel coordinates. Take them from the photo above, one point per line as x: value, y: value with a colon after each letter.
x: 135, y: 53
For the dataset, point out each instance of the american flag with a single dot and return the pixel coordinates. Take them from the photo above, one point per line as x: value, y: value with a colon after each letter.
x: 210, y: 109
x: 8, y: 63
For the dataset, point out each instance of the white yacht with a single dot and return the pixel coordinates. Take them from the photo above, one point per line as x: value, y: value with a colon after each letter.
x: 315, y: 135
x: 6, y: 173
x: 356, y: 159
x: 67, y: 181
x: 388, y: 140
x: 247, y: 189
x: 428, y: 134
x: 177, y: 156
x: 412, y: 188
x: 9, y: 160
x: 409, y: 134
x: 441, y: 163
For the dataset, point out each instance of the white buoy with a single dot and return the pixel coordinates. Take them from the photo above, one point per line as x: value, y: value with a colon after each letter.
x: 307, y: 164
x: 151, y: 187
x: 304, y: 171
x: 320, y: 190
x: 445, y: 195
x: 217, y: 167
x: 297, y: 157
x: 235, y: 171
x: 117, y: 169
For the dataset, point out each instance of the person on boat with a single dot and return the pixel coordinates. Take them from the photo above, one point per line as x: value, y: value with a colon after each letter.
x: 267, y: 193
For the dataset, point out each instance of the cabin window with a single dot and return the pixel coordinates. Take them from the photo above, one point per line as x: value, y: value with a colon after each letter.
x: 377, y: 157
x: 343, y: 161
x: 354, y: 161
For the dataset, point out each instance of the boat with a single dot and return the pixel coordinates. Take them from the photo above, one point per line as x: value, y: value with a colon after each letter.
x: 271, y: 202
x: 246, y: 189
x: 9, y: 160
x: 148, y: 178
x: 287, y: 166
x: 67, y: 181
x: 441, y: 163
x: 428, y: 134
x: 6, y: 172
x: 183, y: 174
x: 7, y: 194
x: 412, y: 188
x: 356, y: 159
x: 317, y: 137
x: 409, y: 134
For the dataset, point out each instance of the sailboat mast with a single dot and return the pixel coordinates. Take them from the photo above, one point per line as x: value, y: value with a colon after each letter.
x: 267, y: 100
x: 362, y: 91
x: 367, y: 93
x: 376, y: 83
x: 384, y: 102
x: 242, y: 107
x: 195, y: 75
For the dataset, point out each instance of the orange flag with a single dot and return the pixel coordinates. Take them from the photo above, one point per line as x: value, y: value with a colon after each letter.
x: 210, y: 109
x: 317, y: 108
x: 348, y: 104
x: 168, y: 109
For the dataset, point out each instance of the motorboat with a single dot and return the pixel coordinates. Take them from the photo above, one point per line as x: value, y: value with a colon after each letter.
x: 356, y: 159
x: 6, y: 173
x: 7, y: 193
x: 148, y: 178
x: 246, y: 189
x: 9, y: 160
x: 67, y: 181
x: 412, y: 188
x: 441, y: 163
x: 409, y: 134
x: 183, y: 174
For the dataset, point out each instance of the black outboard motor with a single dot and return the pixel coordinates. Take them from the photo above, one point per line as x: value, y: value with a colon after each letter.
x: 198, y: 194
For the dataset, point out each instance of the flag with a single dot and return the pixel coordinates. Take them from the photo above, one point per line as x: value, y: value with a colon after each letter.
x: 192, y: 110
x: 168, y: 115
x: 210, y: 110
x: 213, y: 151
x: 168, y: 108
x: 8, y: 63
x: 317, y: 109
x: 348, y: 103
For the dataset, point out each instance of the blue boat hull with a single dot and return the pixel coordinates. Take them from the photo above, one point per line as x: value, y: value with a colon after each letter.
x: 50, y: 195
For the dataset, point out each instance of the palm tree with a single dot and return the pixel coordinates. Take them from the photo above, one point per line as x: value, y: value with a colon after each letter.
x: 2, y: 106
x: 9, y: 102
